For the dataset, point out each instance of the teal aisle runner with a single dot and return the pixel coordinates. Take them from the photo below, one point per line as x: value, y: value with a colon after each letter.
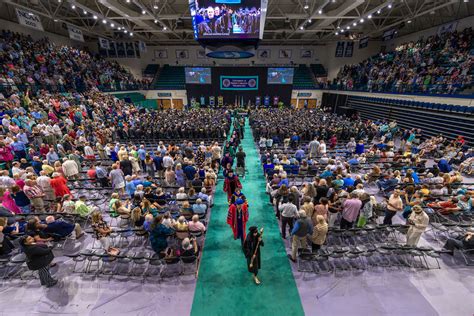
x: 224, y: 286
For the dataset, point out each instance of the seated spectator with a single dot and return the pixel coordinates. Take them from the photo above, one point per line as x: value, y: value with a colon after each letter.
x: 195, y: 225
x: 137, y: 218
x: 181, y: 225
x: 81, y: 208
x: 102, y: 233
x: 181, y: 195
x: 199, y: 207
x: 189, y: 248
x: 6, y: 246
x: 148, y: 222
x: 465, y: 242
x: 35, y: 229
x: 168, y: 221
x: 61, y: 228
x: 159, y: 235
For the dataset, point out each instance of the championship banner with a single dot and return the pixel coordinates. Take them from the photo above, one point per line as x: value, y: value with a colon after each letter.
x: 220, y: 101
x: 349, y: 49
x: 203, y: 101
x: 104, y: 43
x: 212, y: 101
x: 239, y: 82
x: 75, y: 33
x: 266, y: 101
x: 141, y: 46
x: 340, y: 49
x: 275, y: 100
x: 258, y: 101
x: 447, y: 28
x: 29, y: 19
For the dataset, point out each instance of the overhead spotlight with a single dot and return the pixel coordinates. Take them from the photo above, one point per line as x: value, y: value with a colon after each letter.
x: 390, y: 6
x: 84, y: 12
x: 338, y: 27
x: 155, y: 7
x: 342, y: 31
x: 125, y: 31
x: 56, y: 20
x: 301, y: 27
x: 432, y: 12
x: 370, y: 16
x: 131, y: 33
x: 73, y: 6
x: 112, y: 25
x: 320, y: 12
x: 104, y: 21
x: 355, y: 23
x: 337, y: 33
x: 128, y: 1
x: 143, y: 11
x: 333, y: 1
x: 164, y: 28
x: 379, y: 11
x: 309, y: 21
x: 409, y: 21
x: 156, y: 21
x: 306, y: 6
x: 348, y: 27
x: 466, y: 1
x: 362, y: 20
x: 59, y: 1
x: 119, y: 28
x: 95, y: 17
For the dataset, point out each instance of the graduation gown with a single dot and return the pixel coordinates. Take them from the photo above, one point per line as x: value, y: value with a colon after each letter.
x: 232, y: 220
x: 249, y: 249
x: 230, y: 184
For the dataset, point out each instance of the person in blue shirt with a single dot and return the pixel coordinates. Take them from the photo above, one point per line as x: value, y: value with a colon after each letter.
x: 268, y: 166
x: 61, y: 229
x: 294, y: 141
x: 284, y: 181
x: 37, y: 164
x: 199, y: 207
x: 360, y: 148
x: 142, y: 156
x: 299, y: 154
x: 326, y: 173
x: 19, y: 148
x: 189, y: 171
x: 158, y: 161
x: 444, y: 166
x: 348, y: 181
x: 130, y: 186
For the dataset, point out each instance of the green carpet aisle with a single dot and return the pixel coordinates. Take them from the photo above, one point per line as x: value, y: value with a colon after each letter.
x: 225, y: 287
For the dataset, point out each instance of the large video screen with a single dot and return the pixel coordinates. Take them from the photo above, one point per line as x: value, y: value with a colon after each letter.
x: 226, y: 19
x: 280, y: 75
x: 198, y: 75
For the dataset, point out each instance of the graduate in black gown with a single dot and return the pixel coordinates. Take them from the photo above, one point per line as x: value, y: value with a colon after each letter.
x: 252, y: 245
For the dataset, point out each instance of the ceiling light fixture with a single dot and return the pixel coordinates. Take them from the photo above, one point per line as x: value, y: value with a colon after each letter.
x: 390, y: 6
x: 320, y: 12
x: 155, y: 7
x: 84, y: 12
x: 95, y: 17
x: 379, y: 11
x: 337, y: 33
x: 306, y: 6
x: 104, y: 21
x: 309, y: 21
x: 73, y: 6
x: 370, y: 16
x: 131, y: 33
x: 125, y: 31
x: 156, y: 21
x: 112, y: 25
x: 164, y: 28
x: 355, y: 23
x: 409, y: 21
x: 301, y: 27
x: 143, y: 11
x: 362, y: 20
x: 348, y: 27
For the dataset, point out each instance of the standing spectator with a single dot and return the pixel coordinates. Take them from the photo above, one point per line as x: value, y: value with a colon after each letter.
x: 39, y: 259
x: 418, y: 222
x: 320, y: 231
x: 303, y: 227
x: 350, y: 211
x: 394, y: 205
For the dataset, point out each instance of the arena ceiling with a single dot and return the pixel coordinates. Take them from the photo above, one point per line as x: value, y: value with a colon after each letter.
x: 288, y: 22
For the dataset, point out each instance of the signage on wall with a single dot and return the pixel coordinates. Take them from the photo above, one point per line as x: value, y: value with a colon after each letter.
x: 104, y: 43
x: 340, y: 49
x: 363, y: 42
x: 75, y: 33
x: 29, y: 19
x: 164, y: 94
x: 239, y: 82
x: 304, y: 94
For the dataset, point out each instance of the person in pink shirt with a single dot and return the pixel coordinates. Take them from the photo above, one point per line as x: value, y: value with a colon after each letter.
x: 8, y: 202
x: 350, y: 211
x: 195, y: 225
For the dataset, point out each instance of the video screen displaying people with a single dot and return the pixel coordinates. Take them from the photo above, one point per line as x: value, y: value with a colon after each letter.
x: 198, y: 75
x: 280, y: 75
x: 226, y: 19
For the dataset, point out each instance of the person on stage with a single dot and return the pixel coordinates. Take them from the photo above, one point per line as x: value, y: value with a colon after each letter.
x: 231, y: 183
x: 237, y: 218
x: 252, y: 245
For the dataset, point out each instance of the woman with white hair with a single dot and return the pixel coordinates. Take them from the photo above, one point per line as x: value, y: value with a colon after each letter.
x: 70, y: 169
x: 181, y: 195
x: 189, y: 247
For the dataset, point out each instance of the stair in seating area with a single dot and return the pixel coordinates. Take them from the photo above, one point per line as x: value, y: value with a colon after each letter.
x: 170, y: 78
x: 303, y: 78
x: 318, y: 70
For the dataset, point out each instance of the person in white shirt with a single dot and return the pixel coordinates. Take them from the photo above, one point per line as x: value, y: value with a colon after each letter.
x: 167, y: 161
x: 322, y: 147
x: 418, y: 222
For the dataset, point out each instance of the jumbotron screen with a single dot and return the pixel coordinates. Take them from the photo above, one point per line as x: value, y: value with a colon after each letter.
x: 198, y: 75
x: 280, y: 75
x: 226, y: 19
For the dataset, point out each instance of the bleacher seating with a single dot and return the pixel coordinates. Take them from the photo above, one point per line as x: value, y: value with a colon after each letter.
x: 151, y: 70
x: 303, y: 78
x: 132, y: 97
x: 432, y: 118
x: 171, y: 77
x: 318, y: 70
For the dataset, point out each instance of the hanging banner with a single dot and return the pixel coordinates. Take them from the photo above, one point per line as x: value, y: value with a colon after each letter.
x: 258, y: 101
x: 363, y: 42
x: 29, y: 19
x: 266, y: 101
x: 75, y: 33
x: 212, y: 101
x: 104, y: 43
x: 220, y: 101
x: 275, y: 100
x: 239, y: 82
x: 142, y: 46
x: 203, y: 101
x: 349, y: 49
x: 340, y: 49
x: 447, y: 28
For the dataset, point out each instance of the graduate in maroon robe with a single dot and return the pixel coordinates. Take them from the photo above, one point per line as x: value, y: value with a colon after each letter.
x: 231, y: 183
x: 237, y: 218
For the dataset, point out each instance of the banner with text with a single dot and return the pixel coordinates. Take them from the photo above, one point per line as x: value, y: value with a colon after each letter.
x: 29, y: 19
x: 239, y: 82
x: 340, y: 49
x: 75, y: 33
x: 349, y: 49
x: 104, y: 43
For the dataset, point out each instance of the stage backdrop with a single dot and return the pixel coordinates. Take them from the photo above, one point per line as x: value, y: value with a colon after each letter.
x: 239, y: 84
